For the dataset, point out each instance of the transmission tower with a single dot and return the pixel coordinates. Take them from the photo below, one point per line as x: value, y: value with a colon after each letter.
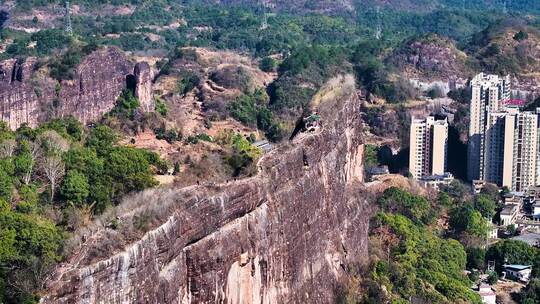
x: 378, y: 31
x: 68, y: 27
x: 265, y: 7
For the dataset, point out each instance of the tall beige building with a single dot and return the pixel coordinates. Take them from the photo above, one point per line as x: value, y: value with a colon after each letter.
x: 521, y: 151
x: 503, y: 141
x: 511, y: 152
x: 428, y: 147
x: 488, y: 93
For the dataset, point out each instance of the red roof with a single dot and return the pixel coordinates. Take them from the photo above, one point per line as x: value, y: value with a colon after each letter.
x: 515, y: 102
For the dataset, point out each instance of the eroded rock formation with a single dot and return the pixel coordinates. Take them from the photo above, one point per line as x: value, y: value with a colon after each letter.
x: 143, y: 88
x: 28, y: 95
x: 283, y: 236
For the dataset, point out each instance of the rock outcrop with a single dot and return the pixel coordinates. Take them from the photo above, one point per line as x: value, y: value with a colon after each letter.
x: 430, y: 57
x: 282, y: 236
x: 143, y: 88
x: 29, y: 96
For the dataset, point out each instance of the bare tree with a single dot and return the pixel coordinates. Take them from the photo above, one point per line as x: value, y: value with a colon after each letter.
x: 7, y: 148
x: 53, y: 168
x: 52, y: 143
x: 34, y: 154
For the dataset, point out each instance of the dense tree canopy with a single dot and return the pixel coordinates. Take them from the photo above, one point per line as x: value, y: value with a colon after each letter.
x: 423, y: 265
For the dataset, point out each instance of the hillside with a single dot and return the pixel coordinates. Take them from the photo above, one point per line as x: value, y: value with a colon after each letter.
x: 251, y: 243
x: 171, y: 151
x: 507, y: 48
x: 430, y: 57
x: 349, y: 7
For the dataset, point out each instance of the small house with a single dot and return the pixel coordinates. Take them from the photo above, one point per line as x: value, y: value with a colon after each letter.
x: 373, y: 172
x: 518, y: 272
x: 436, y: 181
x: 509, y: 214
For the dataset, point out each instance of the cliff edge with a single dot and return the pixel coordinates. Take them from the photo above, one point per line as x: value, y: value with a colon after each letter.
x: 282, y: 236
x: 29, y: 96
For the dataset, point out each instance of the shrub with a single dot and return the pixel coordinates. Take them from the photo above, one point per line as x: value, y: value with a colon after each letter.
x: 268, y: 64
x: 187, y: 82
x: 170, y: 135
x: 413, y: 206
x: 493, y: 278
x: 63, y: 68
x: 161, y: 107
x: 50, y: 39
x: 126, y: 105
x: 521, y: 35
x: 244, y: 154
x: 233, y: 77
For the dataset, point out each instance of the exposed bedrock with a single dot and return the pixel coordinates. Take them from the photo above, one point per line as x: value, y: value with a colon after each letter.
x: 283, y: 236
x: 28, y: 96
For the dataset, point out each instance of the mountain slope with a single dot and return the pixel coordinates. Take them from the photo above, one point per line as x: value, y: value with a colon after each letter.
x: 430, y: 56
x: 357, y: 6
x: 283, y: 236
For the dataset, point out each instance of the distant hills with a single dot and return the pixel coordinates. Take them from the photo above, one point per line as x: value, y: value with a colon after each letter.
x: 356, y: 6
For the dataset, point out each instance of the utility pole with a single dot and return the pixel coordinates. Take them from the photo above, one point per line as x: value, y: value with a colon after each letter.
x: 68, y: 27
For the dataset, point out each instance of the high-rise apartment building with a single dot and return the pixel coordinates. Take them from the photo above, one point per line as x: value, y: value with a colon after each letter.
x: 503, y: 141
x: 488, y: 93
x: 428, y: 147
x: 511, y: 152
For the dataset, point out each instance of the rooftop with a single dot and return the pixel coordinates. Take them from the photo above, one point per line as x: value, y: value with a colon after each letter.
x: 509, y: 209
x: 532, y: 239
x: 445, y: 176
x: 483, y: 79
x: 517, y: 267
x: 378, y: 170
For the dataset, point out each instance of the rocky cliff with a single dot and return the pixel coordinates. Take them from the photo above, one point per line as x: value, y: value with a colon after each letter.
x: 285, y: 235
x: 28, y: 95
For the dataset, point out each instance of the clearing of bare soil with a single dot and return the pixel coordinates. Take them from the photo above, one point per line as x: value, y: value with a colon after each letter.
x: 504, y: 290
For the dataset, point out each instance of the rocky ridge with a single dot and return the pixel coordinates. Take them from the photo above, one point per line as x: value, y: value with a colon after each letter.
x: 286, y: 235
x: 29, y: 96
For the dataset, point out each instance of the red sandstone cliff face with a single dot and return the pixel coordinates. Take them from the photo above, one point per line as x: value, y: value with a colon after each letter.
x: 283, y: 236
x: 28, y: 96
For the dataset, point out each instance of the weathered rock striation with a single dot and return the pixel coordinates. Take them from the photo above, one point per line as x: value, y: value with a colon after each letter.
x: 283, y: 236
x: 29, y: 96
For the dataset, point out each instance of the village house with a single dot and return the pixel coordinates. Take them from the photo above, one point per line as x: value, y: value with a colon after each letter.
x: 509, y: 214
x: 518, y: 272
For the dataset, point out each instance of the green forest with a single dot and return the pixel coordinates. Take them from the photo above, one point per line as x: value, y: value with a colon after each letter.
x: 56, y: 177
